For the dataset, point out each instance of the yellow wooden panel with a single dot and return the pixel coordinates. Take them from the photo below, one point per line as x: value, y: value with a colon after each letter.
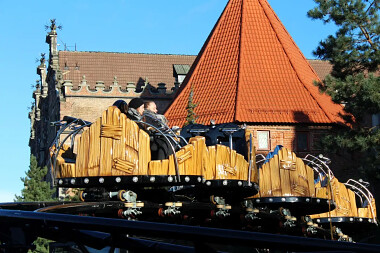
x: 286, y: 165
x: 171, y: 169
x: 272, y: 172
x: 199, y: 143
x: 223, y: 163
x: 164, y: 167
x: 144, y: 152
x: 352, y: 198
x: 117, y: 142
x: 302, y: 179
x: 154, y: 167
x: 106, y: 144
x: 344, y: 206
x: 265, y: 180
x: 209, y: 170
x: 373, y: 209
x: 363, y: 212
x: 310, y: 180
x: 94, y: 149
x: 79, y: 160
x: 242, y: 167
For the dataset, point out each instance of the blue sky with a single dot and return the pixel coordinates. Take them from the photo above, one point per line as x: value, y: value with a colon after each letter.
x: 146, y: 26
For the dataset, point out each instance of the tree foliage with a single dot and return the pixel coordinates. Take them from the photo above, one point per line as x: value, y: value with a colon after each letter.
x: 35, y: 187
x: 354, y: 81
x: 191, y: 116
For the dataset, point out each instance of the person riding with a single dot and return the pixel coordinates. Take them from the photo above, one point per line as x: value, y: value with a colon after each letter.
x: 135, y: 109
x: 122, y: 105
x: 152, y: 117
x: 160, y: 146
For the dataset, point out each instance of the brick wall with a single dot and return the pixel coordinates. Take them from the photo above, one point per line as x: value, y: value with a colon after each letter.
x: 91, y: 108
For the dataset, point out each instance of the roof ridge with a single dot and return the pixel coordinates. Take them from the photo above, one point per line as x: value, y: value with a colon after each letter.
x: 290, y: 58
x: 239, y: 57
x: 66, y: 51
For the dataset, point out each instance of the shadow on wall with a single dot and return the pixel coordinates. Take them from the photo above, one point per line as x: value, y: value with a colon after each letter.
x: 302, y: 136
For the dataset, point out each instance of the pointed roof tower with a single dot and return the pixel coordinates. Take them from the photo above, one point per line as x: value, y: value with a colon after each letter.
x: 250, y: 70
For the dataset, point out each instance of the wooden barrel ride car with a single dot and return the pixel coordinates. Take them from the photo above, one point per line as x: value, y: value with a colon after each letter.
x: 115, y: 150
x: 287, y: 181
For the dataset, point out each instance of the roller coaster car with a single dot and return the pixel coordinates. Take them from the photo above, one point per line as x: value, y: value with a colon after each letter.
x: 213, y: 178
x: 114, y: 153
x: 356, y: 209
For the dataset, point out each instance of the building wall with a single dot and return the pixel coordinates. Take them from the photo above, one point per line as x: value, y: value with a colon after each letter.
x: 285, y: 135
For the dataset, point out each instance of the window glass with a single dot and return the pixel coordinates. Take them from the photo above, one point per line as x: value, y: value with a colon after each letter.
x: 263, y: 140
x: 302, y: 141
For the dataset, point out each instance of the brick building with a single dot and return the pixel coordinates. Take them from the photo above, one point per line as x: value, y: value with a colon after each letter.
x: 83, y: 84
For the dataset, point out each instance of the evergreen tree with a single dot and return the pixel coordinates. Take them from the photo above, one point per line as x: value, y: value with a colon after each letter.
x: 354, y: 53
x: 36, y: 189
x: 191, y: 116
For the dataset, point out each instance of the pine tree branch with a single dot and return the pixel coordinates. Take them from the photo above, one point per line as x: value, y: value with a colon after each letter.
x: 368, y: 37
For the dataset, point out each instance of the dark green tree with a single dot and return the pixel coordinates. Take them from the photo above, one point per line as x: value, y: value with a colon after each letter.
x: 191, y: 116
x: 36, y: 189
x: 354, y: 82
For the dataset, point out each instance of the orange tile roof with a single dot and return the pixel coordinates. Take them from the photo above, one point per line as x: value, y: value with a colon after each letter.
x: 250, y: 70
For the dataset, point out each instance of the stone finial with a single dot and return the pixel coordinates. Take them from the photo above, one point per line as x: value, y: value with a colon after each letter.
x: 115, y: 82
x: 37, y: 84
x: 100, y: 85
x: 42, y: 59
x: 161, y: 88
x: 131, y: 86
x: 53, y: 26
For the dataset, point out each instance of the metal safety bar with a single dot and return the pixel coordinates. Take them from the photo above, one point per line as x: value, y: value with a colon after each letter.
x: 361, y: 191
x: 71, y: 123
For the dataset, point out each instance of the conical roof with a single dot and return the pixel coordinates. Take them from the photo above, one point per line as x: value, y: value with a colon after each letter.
x: 250, y: 70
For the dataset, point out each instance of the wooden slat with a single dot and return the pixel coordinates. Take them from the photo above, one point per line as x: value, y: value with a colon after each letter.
x: 94, y: 149
x: 344, y: 206
x: 310, y: 180
x: 132, y: 156
x: 132, y: 132
x: 234, y: 170
x: 209, y: 160
x: 265, y: 180
x: 254, y: 171
x: 185, y: 160
x: 272, y: 172
x: 352, y: 198
x: 143, y: 152
x: 181, y: 165
x: 285, y: 157
x: 374, y: 216
x: 223, y: 164
x: 301, y: 181
x: 78, y: 161
x: 105, y: 144
x: 199, y: 143
x: 154, y: 168
x: 122, y: 167
x: 164, y: 167
x: 242, y: 166
x: 171, y: 169
x: 117, y: 153
x: 363, y: 212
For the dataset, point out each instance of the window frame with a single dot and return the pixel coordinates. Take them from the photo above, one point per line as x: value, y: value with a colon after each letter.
x: 268, y: 140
